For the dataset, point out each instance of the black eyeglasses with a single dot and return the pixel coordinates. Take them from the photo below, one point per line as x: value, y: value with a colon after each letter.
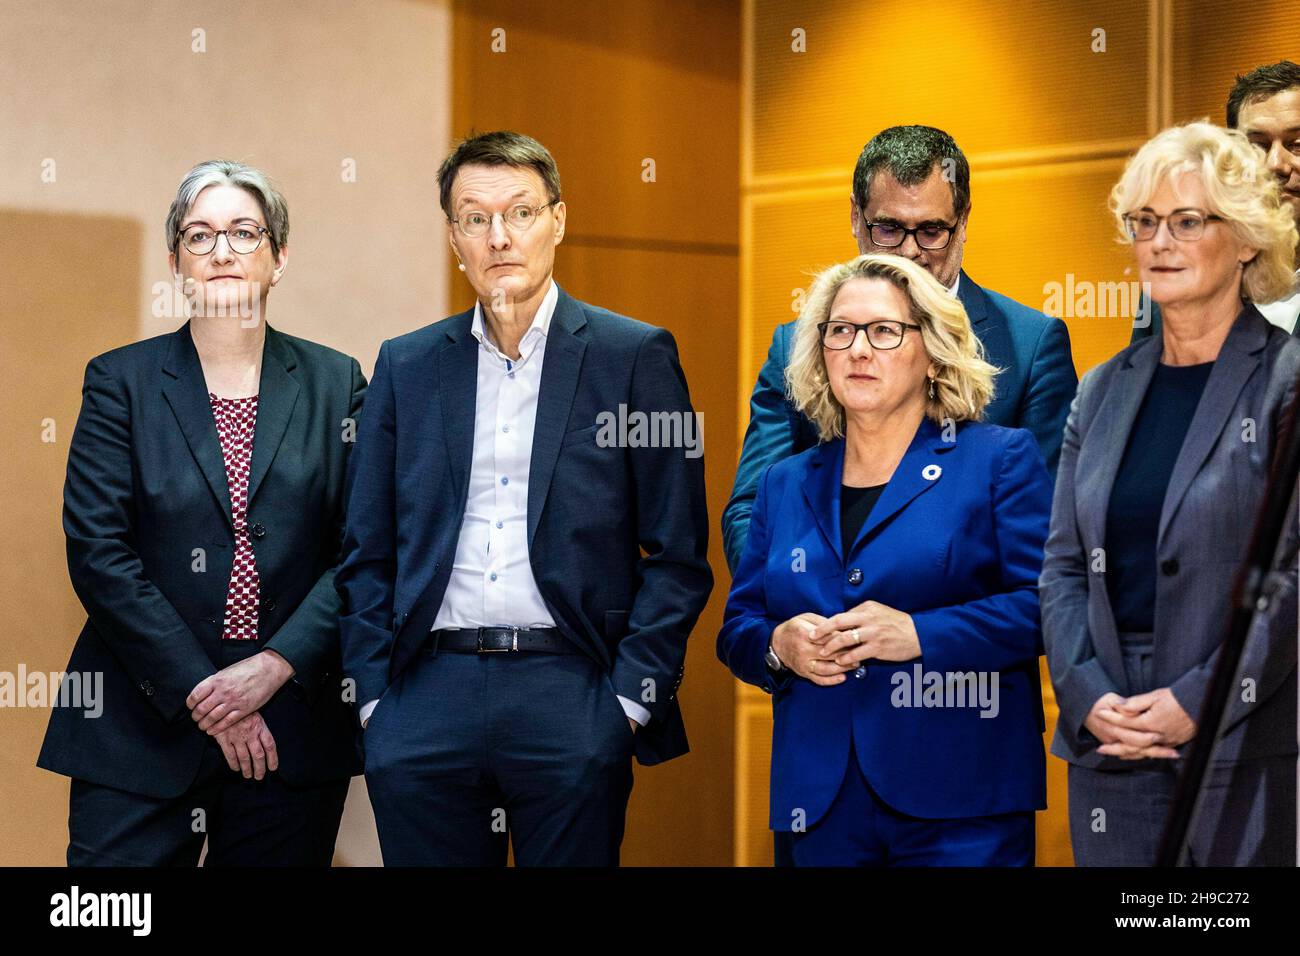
x: 1185, y: 224
x: 883, y: 334
x: 243, y: 238
x: 890, y: 235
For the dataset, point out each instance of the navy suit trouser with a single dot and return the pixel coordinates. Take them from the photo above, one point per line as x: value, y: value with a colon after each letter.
x: 465, y: 752
x: 860, y: 829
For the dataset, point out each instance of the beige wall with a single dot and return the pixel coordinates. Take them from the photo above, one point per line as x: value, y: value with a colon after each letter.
x: 113, y: 94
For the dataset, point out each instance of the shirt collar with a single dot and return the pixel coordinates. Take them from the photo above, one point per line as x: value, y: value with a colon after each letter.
x: 952, y: 290
x: 536, y: 332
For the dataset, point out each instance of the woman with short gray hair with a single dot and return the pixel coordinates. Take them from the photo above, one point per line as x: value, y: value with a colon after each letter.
x: 203, y: 515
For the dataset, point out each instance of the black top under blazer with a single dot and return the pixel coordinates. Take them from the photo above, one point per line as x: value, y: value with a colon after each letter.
x: 145, y: 491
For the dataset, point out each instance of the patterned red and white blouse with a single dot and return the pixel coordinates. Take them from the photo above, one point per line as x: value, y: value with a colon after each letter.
x: 236, y: 420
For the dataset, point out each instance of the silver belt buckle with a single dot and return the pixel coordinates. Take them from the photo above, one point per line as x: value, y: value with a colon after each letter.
x: 514, y: 643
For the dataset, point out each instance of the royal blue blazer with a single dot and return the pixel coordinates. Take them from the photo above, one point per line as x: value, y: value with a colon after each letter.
x: 956, y: 541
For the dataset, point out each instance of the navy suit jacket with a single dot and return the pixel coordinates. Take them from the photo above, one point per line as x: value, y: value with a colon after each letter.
x: 592, y: 509
x: 146, y: 488
x: 1034, y: 391
x: 960, y: 551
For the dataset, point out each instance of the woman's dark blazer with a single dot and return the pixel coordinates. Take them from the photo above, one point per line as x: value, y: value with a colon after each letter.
x: 1205, y: 525
x: 150, y: 542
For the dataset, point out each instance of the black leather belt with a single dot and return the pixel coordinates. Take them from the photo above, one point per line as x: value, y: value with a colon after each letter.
x: 492, y: 640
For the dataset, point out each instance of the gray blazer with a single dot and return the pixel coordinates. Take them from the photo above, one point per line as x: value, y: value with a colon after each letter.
x: 1209, y: 511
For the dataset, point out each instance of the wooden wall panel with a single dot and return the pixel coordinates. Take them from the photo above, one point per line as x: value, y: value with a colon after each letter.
x: 605, y: 88
x: 681, y: 811
x: 999, y: 78
x: 1214, y: 45
x: 753, y: 753
x: 56, y: 317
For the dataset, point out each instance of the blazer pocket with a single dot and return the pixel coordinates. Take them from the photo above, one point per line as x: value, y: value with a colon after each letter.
x: 943, y: 550
x: 616, y: 625
x: 370, y: 721
x: 579, y: 435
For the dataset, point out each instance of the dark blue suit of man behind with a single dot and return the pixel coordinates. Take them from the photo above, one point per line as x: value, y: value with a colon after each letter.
x: 592, y: 511
x: 956, y: 541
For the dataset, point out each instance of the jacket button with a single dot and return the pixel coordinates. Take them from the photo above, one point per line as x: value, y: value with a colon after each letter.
x: 268, y: 605
x: 147, y: 687
x: 258, y: 530
x: 855, y: 576
x: 1169, y: 568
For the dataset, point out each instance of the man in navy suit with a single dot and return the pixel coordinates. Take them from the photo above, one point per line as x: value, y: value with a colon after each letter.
x: 911, y: 197
x: 525, y: 547
x: 1265, y: 105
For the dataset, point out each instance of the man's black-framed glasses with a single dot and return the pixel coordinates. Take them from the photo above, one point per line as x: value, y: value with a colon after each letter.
x: 243, y: 238
x: 890, y: 235
x: 883, y: 334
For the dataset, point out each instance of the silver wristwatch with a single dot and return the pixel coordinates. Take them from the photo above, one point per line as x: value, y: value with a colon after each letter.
x: 773, y: 662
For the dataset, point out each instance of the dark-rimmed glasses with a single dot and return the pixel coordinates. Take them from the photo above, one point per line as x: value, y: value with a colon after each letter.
x: 883, y: 334
x: 890, y: 235
x: 243, y: 238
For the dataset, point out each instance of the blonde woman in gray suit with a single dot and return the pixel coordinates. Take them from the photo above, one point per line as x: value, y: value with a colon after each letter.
x: 1165, y: 460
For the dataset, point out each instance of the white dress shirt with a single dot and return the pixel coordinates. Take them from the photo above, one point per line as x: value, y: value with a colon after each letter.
x: 492, y: 582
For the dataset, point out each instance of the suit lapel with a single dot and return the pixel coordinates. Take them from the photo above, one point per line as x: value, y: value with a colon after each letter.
x: 186, y: 393
x: 918, y: 471
x: 1237, y: 361
x: 990, y: 327
x: 458, y: 396
x: 277, y: 395
x: 821, y: 491
x: 1099, y: 461
x: 561, y: 365
x: 973, y: 300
